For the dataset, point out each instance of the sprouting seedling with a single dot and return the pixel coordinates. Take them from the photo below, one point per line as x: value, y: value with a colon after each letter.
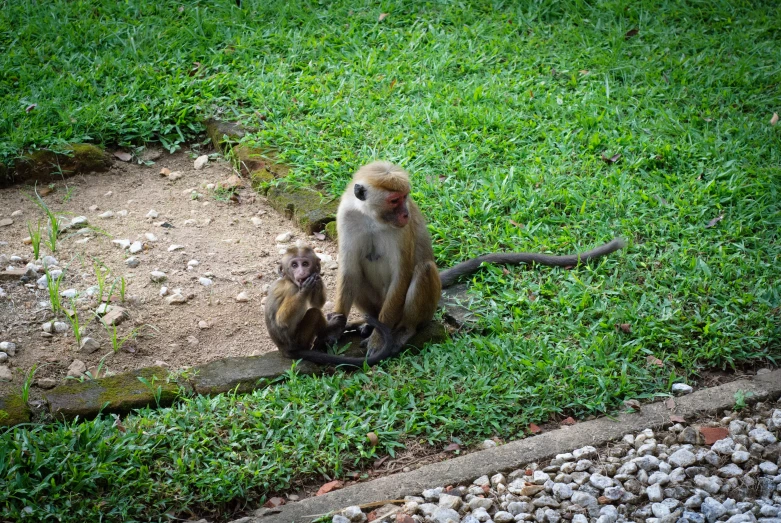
x: 54, y: 222
x: 122, y: 288
x: 73, y: 318
x: 35, y: 239
x: 100, y: 276
x: 53, y: 286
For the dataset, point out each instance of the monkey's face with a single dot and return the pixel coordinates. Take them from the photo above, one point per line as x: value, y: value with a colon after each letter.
x: 298, y: 268
x: 388, y: 207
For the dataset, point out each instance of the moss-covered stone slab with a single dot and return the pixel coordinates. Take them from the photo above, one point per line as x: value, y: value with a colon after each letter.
x: 116, y: 394
x: 455, y: 301
x: 310, y: 209
x: 13, y: 410
x: 223, y: 134
x: 330, y: 230
x: 245, y: 374
x: 45, y: 165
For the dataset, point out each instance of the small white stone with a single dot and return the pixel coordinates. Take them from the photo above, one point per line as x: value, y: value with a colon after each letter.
x: 242, y: 297
x: 60, y: 326
x: 175, y: 175
x: 203, y: 325
x: 77, y: 368
x: 3, y: 357
x: 200, y: 162
x: 93, y: 208
x: 682, y: 388
x: 103, y: 308
x: 8, y: 348
x: 136, y: 247
x: 132, y: 262
x: 176, y: 299
x: 106, y: 215
x: 124, y: 244
x: 174, y: 247
x: 69, y: 293
x: 206, y: 282
x: 16, y: 213
x: 152, y: 214
x: 122, y: 213
x: 157, y: 276
x: 163, y: 291
x: 325, y: 257
x: 108, y: 194
x: 150, y: 237
x: 284, y: 237
x: 193, y: 263
x: 257, y: 222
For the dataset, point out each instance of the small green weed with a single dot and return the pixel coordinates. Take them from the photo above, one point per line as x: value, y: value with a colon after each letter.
x: 54, y: 222
x: 53, y: 287
x: 35, y: 239
x: 740, y: 398
x: 28, y: 380
x: 72, y: 316
x: 224, y: 194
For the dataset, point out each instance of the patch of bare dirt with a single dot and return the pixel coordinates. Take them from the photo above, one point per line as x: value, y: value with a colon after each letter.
x: 236, y: 253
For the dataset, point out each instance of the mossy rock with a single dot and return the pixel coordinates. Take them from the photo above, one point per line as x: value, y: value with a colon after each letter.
x: 243, y: 374
x: 116, y: 394
x: 310, y: 209
x: 223, y: 134
x: 330, y: 230
x: 45, y: 165
x: 13, y: 410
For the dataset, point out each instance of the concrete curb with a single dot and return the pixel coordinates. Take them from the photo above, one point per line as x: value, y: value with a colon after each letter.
x: 513, y: 455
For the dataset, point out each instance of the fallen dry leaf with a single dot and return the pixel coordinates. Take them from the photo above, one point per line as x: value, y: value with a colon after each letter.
x: 713, y: 434
x: 773, y: 119
x: 584, y: 72
x: 670, y: 403
x: 568, y: 421
x: 534, y: 429
x: 519, y: 225
x: 675, y: 418
x: 382, y: 17
x: 393, y: 83
x: 632, y: 32
x: 125, y: 157
x: 505, y: 271
x: 624, y: 327
x: 46, y: 191
x: 165, y: 171
x: 452, y: 447
x: 612, y: 159
x: 33, y: 106
x: 330, y: 486
x: 378, y: 463
x: 633, y: 404
x: 531, y: 94
x: 653, y: 360
x: 714, y: 221
x: 274, y: 502
x: 373, y: 439
x: 195, y: 67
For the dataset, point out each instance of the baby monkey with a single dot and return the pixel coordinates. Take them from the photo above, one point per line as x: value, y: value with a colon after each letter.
x: 294, y: 316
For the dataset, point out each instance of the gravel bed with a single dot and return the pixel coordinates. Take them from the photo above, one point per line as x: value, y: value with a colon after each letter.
x: 668, y: 476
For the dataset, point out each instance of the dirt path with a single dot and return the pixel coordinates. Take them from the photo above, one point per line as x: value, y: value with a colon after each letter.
x: 233, y: 244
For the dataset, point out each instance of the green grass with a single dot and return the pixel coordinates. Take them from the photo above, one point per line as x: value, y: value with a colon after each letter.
x: 502, y: 112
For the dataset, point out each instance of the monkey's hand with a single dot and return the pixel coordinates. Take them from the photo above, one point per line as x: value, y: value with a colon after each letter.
x: 312, y: 283
x: 373, y: 343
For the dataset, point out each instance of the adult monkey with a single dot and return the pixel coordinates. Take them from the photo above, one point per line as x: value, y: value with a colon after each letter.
x: 386, y: 261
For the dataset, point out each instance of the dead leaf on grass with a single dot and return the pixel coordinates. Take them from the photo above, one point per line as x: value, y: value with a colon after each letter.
x: 612, y: 159
x: 382, y: 17
x: 373, y: 439
x: 534, y: 428
x: 453, y: 447
x: 584, y: 72
x: 670, y: 403
x: 165, y: 171
x: 33, y: 106
x: 653, y: 360
x: 632, y: 32
x: 714, y: 221
x: 773, y: 119
x: 675, y: 418
x: 568, y: 421
x: 378, y: 463
x: 624, y: 327
x: 125, y: 157
x: 519, y: 225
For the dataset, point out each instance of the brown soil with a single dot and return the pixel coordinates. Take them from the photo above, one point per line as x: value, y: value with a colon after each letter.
x: 237, y: 254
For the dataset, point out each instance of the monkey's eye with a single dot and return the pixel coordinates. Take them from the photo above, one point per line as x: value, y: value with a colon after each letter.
x: 305, y: 264
x: 394, y: 201
x: 294, y: 265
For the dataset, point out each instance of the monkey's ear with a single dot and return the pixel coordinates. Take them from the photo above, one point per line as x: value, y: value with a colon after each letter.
x: 280, y: 272
x: 360, y: 192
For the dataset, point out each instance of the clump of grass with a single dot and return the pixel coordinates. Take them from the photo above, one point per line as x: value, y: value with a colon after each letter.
x: 101, y: 274
x: 53, y: 288
x: 118, y: 341
x: 35, y: 239
x: 122, y: 288
x: 54, y: 223
x: 28, y: 380
x: 72, y: 316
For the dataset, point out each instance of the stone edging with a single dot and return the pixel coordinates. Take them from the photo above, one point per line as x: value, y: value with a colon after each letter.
x: 157, y: 386
x: 513, y: 455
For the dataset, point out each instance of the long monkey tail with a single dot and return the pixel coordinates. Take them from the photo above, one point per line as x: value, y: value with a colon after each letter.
x: 451, y: 275
x: 389, y: 349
